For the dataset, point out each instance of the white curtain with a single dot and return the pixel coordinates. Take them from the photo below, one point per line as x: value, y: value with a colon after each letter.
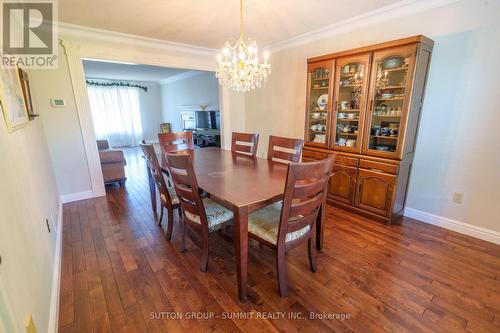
x: 116, y: 115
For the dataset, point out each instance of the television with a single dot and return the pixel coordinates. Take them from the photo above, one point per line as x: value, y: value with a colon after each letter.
x: 208, y: 120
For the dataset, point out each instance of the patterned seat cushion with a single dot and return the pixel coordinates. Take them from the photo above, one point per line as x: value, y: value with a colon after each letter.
x: 173, y: 196
x: 216, y: 214
x: 265, y: 222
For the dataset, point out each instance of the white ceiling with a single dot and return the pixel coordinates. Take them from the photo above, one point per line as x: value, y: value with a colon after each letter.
x: 210, y: 23
x: 119, y: 71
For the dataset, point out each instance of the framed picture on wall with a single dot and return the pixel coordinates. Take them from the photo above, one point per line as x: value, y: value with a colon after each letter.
x: 25, y: 86
x: 12, y: 99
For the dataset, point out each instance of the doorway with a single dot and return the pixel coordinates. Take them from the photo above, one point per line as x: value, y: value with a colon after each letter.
x: 131, y: 102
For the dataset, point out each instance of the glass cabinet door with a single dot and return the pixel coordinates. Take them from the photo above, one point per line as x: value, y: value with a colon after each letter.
x: 391, y: 82
x: 351, y: 77
x: 319, y: 88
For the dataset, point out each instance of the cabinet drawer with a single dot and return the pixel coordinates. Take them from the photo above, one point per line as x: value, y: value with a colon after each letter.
x: 379, y: 167
x: 313, y: 155
x: 348, y: 161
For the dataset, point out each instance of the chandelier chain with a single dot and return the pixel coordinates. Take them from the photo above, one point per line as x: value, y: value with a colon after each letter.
x: 241, y: 18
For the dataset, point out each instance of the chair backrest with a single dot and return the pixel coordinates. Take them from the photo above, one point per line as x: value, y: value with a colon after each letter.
x: 175, y: 141
x: 102, y: 144
x: 284, y: 149
x: 305, y: 192
x: 244, y: 143
x: 155, y: 169
x: 181, y: 171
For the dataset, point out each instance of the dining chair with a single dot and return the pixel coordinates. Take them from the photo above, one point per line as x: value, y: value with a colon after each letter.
x: 176, y: 141
x: 202, y: 215
x: 244, y: 143
x: 282, y: 149
x: 168, y: 197
x: 289, y: 223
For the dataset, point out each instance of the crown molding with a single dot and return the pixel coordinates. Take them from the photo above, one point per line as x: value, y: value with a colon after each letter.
x: 67, y: 30
x: 181, y: 76
x: 391, y: 12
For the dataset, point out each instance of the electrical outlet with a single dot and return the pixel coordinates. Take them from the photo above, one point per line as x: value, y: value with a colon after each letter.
x: 30, y: 324
x: 458, y: 197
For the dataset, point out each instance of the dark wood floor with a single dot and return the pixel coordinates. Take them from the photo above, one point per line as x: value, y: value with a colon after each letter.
x: 120, y: 274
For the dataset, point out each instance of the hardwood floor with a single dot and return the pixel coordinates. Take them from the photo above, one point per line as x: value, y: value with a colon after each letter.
x: 119, y: 274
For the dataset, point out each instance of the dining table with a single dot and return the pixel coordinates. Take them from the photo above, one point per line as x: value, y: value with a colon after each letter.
x: 242, y: 184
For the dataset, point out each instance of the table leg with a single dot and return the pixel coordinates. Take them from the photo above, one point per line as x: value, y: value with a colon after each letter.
x: 320, y: 226
x: 152, y: 190
x: 241, y: 249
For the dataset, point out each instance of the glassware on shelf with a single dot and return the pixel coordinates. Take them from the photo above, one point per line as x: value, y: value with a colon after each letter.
x: 388, y: 102
x: 349, y: 95
x: 318, y: 107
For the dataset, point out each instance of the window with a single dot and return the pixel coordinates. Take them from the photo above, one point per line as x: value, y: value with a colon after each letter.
x: 116, y: 114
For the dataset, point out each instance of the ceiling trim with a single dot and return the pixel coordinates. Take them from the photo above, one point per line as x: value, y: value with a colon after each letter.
x: 399, y: 9
x: 78, y: 31
x: 181, y: 76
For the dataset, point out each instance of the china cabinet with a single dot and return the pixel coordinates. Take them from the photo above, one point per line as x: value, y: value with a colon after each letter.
x: 368, y: 116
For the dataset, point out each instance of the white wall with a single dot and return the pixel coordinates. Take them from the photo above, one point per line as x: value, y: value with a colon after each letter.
x: 197, y: 90
x: 28, y: 195
x: 150, y: 103
x: 459, y: 142
x: 62, y: 128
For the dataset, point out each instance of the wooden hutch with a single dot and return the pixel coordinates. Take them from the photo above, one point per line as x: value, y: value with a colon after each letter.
x: 363, y: 106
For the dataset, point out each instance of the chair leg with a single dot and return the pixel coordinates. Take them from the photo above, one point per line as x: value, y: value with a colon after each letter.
x: 170, y: 225
x: 204, y: 254
x: 183, y: 236
x: 161, y: 215
x: 281, y: 267
x: 312, y: 255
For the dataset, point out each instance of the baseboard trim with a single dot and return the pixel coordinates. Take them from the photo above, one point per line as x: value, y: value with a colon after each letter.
x: 65, y: 198
x: 56, y: 277
x: 458, y: 226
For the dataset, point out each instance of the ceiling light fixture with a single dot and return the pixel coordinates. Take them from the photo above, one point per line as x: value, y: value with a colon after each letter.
x: 239, y: 67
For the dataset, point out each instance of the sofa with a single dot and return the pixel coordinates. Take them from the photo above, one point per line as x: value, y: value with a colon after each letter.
x: 112, y: 163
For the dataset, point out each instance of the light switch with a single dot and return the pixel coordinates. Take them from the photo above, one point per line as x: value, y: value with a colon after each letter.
x: 458, y: 197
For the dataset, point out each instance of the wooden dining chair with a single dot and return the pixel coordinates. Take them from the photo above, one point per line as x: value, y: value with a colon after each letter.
x: 176, y: 141
x: 168, y: 197
x: 282, y: 149
x: 289, y: 223
x: 202, y: 215
x: 244, y: 143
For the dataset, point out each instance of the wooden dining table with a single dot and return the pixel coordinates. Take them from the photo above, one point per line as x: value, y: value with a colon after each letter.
x: 243, y: 185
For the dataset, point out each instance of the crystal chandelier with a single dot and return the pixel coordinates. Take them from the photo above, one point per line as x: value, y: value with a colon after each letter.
x: 239, y: 66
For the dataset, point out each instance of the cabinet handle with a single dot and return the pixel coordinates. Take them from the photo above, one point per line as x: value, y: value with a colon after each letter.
x: 371, y: 104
